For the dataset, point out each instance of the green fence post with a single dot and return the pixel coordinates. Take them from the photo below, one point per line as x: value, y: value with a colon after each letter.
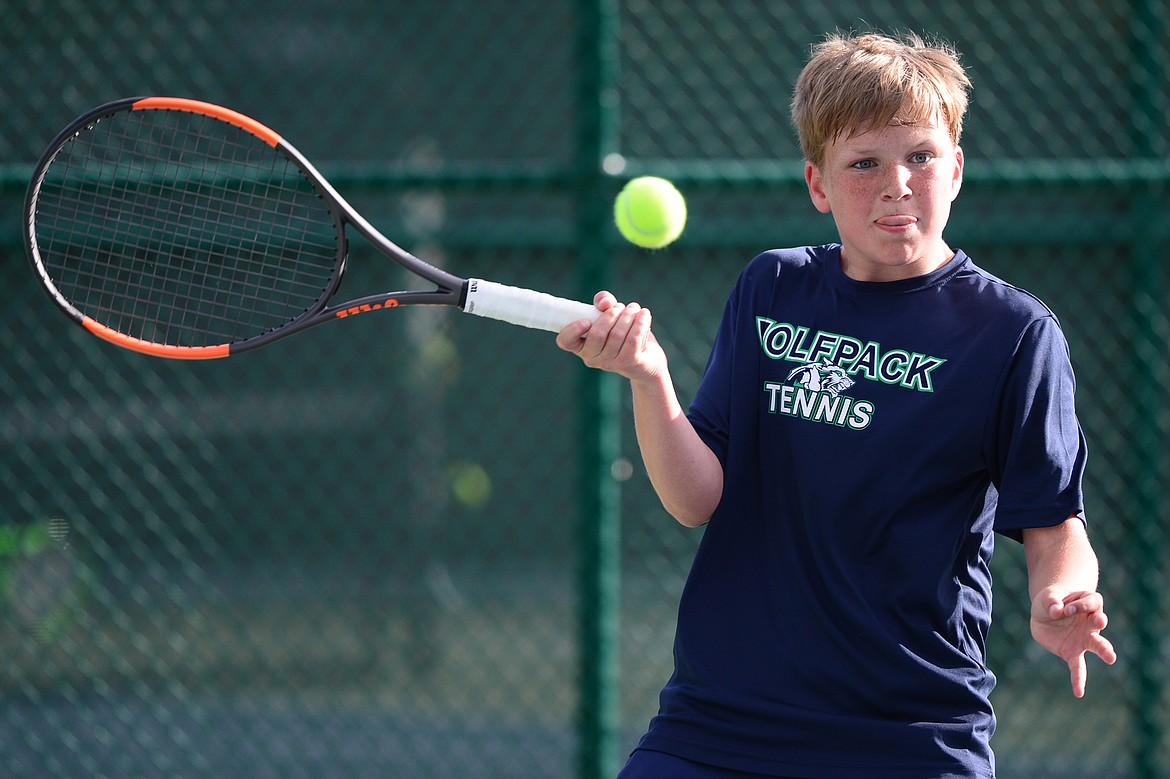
x: 600, y: 408
x: 1149, y: 539
x: 1150, y: 249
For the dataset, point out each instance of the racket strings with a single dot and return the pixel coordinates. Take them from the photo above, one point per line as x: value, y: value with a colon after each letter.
x: 182, y: 229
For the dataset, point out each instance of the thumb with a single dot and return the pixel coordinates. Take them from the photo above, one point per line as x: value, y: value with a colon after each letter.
x: 1049, y: 603
x: 572, y: 336
x: 1052, y: 604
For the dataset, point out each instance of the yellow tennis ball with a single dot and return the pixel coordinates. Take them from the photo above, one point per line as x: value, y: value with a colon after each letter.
x: 650, y: 212
x: 471, y: 484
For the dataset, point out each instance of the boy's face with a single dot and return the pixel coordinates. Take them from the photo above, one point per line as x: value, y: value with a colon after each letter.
x: 890, y: 192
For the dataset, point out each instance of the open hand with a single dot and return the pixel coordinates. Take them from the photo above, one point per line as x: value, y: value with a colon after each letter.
x: 1069, y: 624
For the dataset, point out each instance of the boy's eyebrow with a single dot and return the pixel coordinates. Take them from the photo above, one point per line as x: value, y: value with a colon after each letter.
x: 844, y: 142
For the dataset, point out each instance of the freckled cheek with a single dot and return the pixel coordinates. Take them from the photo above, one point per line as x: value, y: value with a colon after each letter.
x: 924, y: 188
x: 860, y: 189
x: 861, y: 195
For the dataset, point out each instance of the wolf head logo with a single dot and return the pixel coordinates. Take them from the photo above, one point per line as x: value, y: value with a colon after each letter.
x: 822, y: 376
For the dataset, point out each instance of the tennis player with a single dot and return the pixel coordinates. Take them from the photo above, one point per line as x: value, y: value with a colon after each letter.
x: 873, y: 413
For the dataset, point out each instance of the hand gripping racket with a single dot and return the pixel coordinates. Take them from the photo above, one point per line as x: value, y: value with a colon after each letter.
x: 182, y: 229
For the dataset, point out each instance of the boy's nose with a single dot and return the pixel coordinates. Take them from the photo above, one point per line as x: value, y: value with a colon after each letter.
x: 898, y: 183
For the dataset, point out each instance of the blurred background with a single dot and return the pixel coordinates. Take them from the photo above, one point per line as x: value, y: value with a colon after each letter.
x: 423, y: 545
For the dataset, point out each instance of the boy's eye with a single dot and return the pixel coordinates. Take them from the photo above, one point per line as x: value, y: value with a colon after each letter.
x: 864, y: 164
x: 920, y: 158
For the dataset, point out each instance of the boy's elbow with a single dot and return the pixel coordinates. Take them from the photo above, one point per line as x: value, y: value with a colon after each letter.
x: 689, y: 520
x: 698, y: 509
x: 691, y: 491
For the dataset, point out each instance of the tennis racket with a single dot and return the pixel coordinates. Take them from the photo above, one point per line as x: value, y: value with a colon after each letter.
x: 182, y: 229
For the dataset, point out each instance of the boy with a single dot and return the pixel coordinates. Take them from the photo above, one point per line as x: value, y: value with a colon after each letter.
x: 872, y: 413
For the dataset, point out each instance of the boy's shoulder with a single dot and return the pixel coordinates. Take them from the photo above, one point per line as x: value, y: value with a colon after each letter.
x: 797, y: 256
x: 962, y: 280
x: 773, y: 263
x: 1002, y: 294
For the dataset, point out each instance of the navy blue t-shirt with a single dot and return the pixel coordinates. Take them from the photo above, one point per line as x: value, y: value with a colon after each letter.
x: 873, y: 436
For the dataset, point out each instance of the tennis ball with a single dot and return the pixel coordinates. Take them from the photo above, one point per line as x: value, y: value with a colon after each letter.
x: 650, y: 212
x: 471, y: 484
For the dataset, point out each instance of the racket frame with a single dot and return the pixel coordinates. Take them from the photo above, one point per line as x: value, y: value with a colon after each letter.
x: 450, y: 290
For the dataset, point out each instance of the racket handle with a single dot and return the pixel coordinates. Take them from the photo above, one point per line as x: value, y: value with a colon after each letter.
x: 524, y: 307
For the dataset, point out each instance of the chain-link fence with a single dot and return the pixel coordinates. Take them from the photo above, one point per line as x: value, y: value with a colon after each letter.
x: 390, y: 546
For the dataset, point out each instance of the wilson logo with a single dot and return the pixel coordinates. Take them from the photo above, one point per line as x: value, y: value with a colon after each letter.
x: 364, y: 307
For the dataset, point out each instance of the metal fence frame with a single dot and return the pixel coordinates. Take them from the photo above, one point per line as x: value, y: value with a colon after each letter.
x: 598, y: 169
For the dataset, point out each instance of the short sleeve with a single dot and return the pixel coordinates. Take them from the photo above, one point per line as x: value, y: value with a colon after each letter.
x: 710, y: 410
x: 1038, y: 451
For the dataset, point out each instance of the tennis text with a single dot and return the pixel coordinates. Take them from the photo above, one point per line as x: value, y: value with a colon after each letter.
x: 839, y: 410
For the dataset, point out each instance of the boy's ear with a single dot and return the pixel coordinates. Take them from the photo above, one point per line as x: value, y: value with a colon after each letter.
x: 816, y: 187
x: 957, y: 179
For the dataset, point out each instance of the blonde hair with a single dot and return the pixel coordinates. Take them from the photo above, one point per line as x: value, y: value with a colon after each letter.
x: 853, y: 84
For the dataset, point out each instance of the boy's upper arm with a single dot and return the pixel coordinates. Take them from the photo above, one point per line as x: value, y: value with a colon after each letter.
x: 1038, y: 451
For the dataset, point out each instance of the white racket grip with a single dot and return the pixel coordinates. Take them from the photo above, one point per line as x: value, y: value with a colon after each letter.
x: 524, y: 307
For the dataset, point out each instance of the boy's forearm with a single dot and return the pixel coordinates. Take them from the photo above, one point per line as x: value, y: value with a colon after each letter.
x: 1060, y: 556
x: 684, y: 471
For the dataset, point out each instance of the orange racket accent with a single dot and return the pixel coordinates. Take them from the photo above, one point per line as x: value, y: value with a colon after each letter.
x: 148, y: 347
x: 210, y: 109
